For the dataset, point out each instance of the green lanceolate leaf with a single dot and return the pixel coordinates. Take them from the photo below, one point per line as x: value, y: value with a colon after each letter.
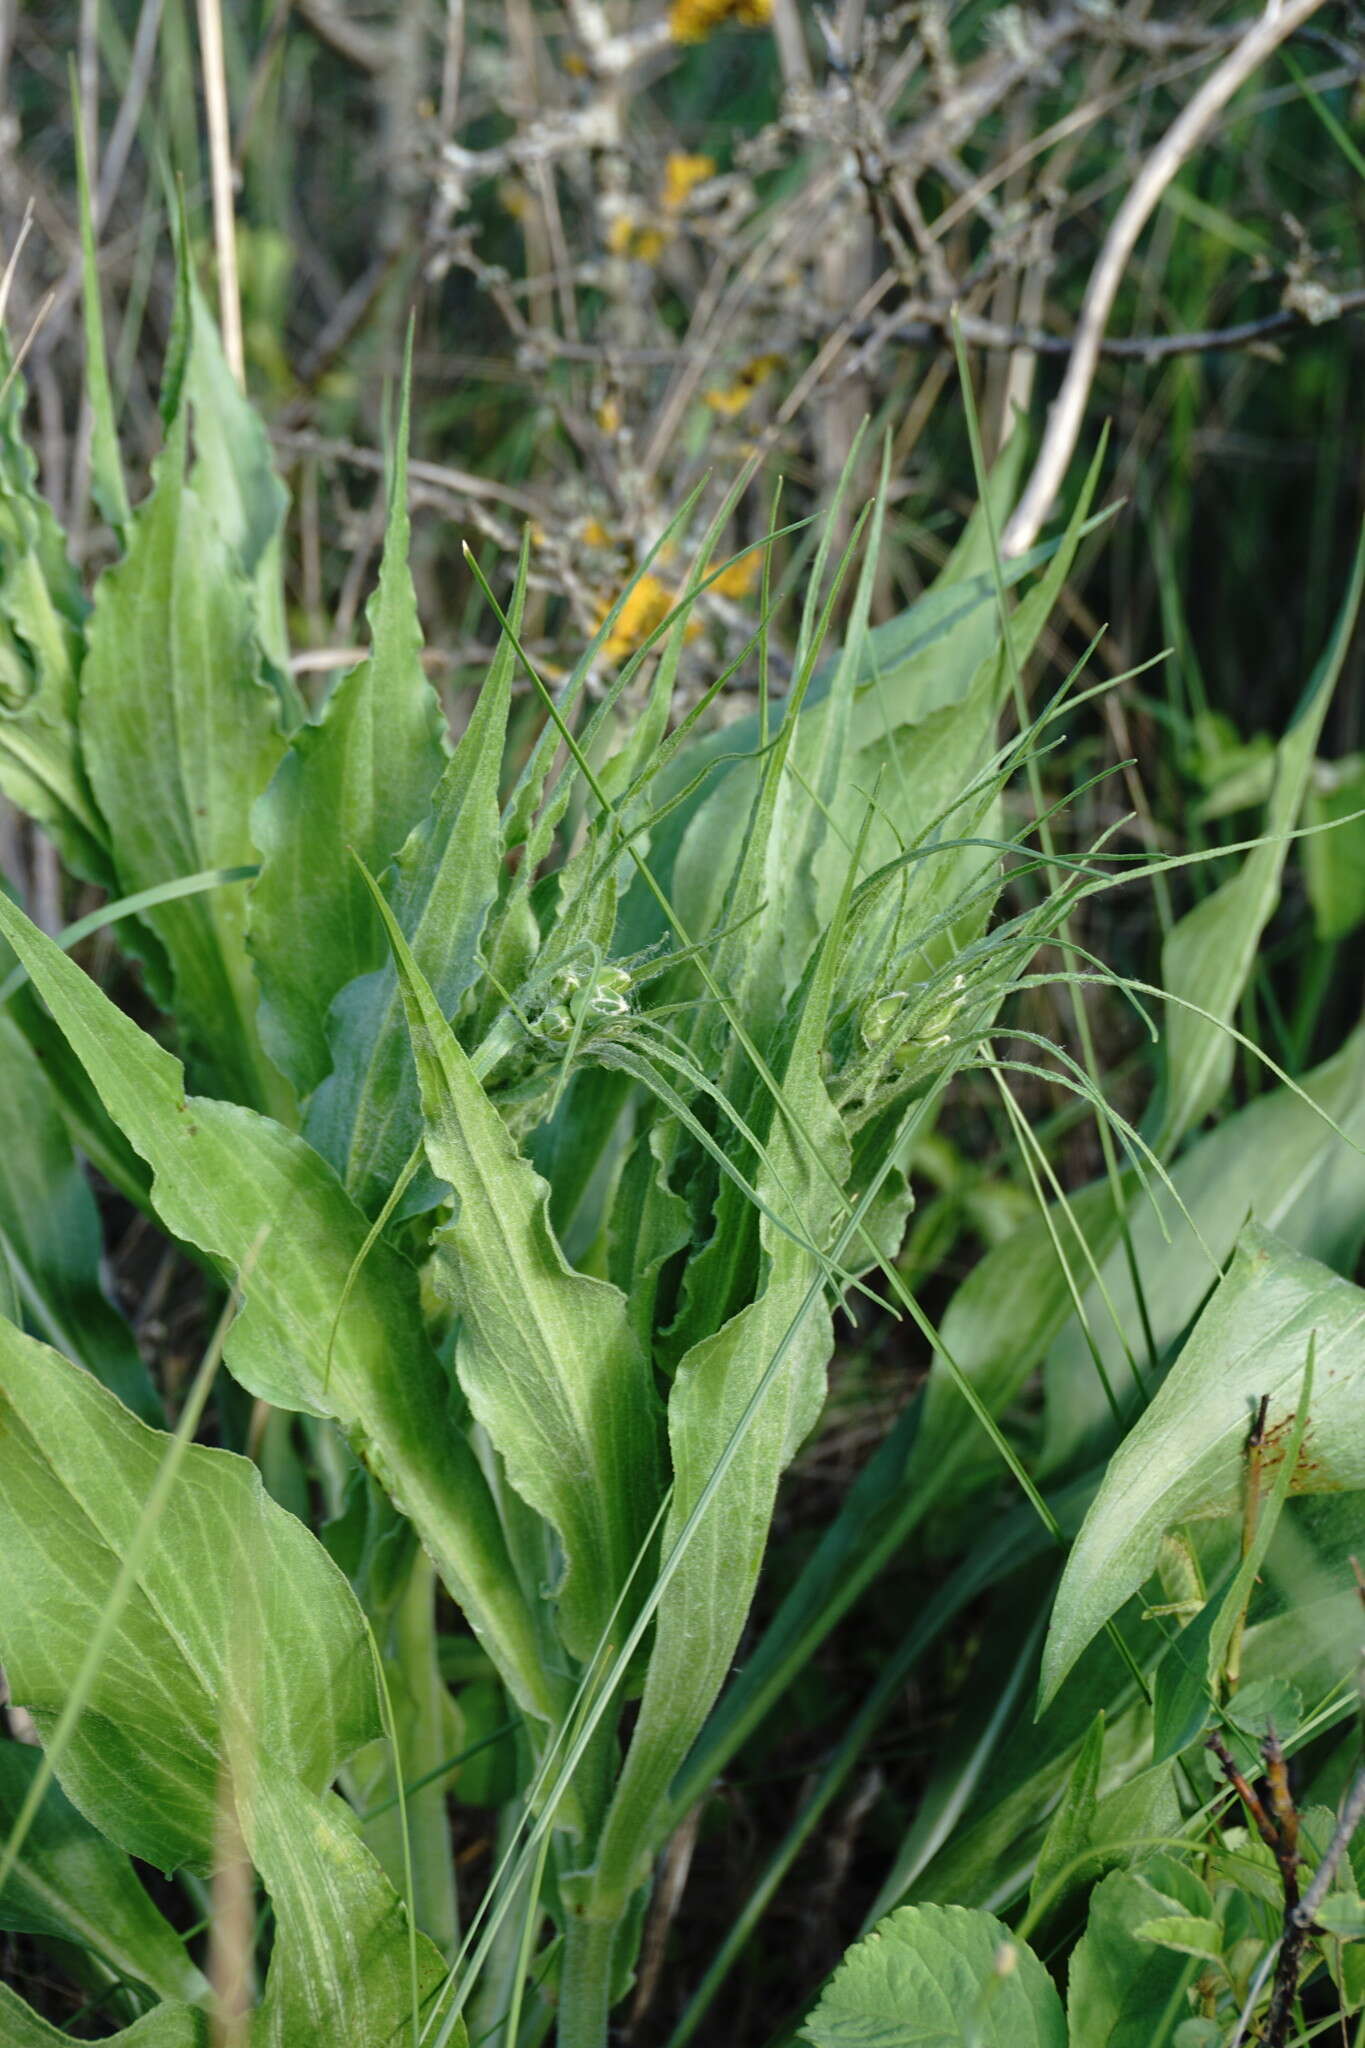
x: 72, y: 1885
x: 168, y: 2026
x: 41, y: 647
x: 50, y: 1231
x: 938, y: 1977
x: 358, y: 780
x: 236, y: 479
x: 546, y: 1356
x: 1186, y: 1457
x: 106, y: 466
x: 1280, y: 1160
x: 785, y: 1333
x: 181, y: 734
x: 366, y: 1117
x: 223, y: 1174
x: 236, y: 1610
x: 1209, y: 954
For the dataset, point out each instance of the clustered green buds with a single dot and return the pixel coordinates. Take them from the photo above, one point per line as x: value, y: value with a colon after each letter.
x: 583, y: 999
x: 912, y: 1021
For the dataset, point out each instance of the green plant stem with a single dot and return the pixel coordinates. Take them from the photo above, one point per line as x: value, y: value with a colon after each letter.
x: 585, y: 1980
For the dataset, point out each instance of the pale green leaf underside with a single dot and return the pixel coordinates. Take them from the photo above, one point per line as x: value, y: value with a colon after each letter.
x: 181, y: 734
x: 237, y: 1609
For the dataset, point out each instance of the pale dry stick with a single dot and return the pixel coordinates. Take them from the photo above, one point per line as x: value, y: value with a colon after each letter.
x: 790, y: 38
x: 452, y: 68
x: 214, y: 71
x: 7, y: 281
x: 1278, y: 22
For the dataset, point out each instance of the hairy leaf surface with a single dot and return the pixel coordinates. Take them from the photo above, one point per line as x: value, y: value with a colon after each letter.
x: 547, y: 1356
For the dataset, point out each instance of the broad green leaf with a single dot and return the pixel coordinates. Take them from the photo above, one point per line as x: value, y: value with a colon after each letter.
x: 1277, y: 1160
x: 167, y: 2026
x: 180, y: 735
x: 1207, y: 956
x: 239, y: 1670
x: 938, y: 1977
x: 546, y: 1356
x: 223, y: 1175
x: 236, y: 1611
x: 1121, y: 1987
x: 340, y: 1969
x: 50, y: 1231
x: 72, y: 1885
x: 1185, y: 1458
x: 366, y: 1116
x: 41, y: 647
x: 1334, y: 862
x: 236, y: 478
x: 358, y: 780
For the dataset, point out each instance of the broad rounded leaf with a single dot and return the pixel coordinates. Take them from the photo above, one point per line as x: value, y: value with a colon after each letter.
x: 939, y: 1977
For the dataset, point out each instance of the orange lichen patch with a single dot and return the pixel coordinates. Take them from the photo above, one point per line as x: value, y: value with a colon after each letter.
x: 682, y: 174
x: 647, y: 605
x: 729, y: 399
x: 691, y: 21
x: 738, y: 578
x: 594, y: 534
x: 635, y: 238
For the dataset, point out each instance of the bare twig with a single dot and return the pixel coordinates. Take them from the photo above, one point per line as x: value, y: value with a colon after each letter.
x: 366, y: 48
x: 928, y: 324
x: 1278, y: 22
x: 458, y: 483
